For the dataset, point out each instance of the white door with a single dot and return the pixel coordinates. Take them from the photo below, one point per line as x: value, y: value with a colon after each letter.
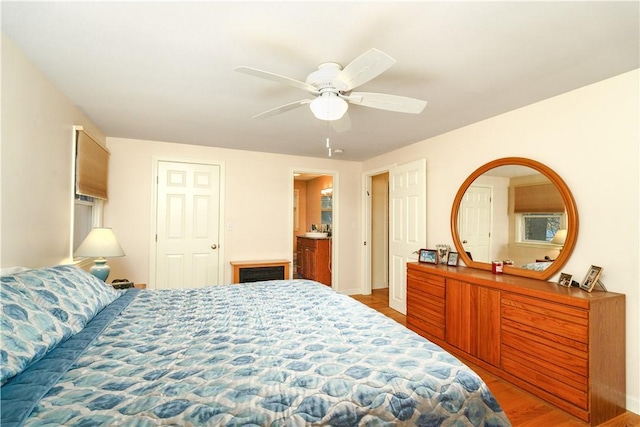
x: 475, y: 222
x: 408, y: 224
x: 187, y: 225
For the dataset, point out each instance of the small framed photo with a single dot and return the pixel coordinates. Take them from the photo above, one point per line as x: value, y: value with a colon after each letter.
x: 565, y: 280
x: 429, y: 256
x: 452, y: 259
x: 592, y: 277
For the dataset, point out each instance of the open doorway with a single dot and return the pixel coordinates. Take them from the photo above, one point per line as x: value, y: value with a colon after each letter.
x: 314, y: 226
x: 406, y: 225
x: 380, y: 232
x: 376, y: 230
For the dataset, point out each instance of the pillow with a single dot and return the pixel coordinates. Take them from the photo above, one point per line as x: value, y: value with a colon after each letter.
x: 12, y: 270
x: 27, y: 331
x: 71, y: 294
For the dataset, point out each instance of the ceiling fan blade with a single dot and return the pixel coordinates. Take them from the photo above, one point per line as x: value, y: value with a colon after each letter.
x: 366, y: 67
x: 343, y: 124
x: 282, y: 109
x: 276, y: 78
x: 383, y: 101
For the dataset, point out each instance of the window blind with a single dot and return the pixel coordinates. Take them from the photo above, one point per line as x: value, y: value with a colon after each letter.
x: 92, y: 167
x: 542, y: 198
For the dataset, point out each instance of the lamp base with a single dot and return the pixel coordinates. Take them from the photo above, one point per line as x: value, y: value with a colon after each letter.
x: 100, y: 269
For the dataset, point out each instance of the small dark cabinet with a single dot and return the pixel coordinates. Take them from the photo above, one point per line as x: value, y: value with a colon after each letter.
x: 258, y: 271
x: 258, y: 274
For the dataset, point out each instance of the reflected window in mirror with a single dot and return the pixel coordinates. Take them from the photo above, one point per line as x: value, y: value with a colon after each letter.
x: 534, y: 228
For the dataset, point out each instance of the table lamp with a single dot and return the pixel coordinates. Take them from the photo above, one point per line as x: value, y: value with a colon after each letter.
x: 100, y: 243
x: 559, y: 238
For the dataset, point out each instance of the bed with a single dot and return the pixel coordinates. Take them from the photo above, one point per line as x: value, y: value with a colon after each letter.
x: 278, y: 353
x: 537, y: 266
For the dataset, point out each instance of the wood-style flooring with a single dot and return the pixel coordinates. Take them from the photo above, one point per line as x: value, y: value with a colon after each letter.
x: 522, y: 408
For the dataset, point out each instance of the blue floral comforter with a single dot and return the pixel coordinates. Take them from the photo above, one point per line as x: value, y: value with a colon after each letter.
x: 280, y: 353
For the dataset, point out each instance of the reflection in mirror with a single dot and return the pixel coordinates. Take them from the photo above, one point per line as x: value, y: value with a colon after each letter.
x: 326, y: 208
x: 516, y: 211
x: 512, y: 213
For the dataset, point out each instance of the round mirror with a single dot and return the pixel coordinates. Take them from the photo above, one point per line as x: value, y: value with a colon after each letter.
x: 517, y: 211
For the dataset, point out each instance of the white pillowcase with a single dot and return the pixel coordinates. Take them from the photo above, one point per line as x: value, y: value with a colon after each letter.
x: 12, y: 270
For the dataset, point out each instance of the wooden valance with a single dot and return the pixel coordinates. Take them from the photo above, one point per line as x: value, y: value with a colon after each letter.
x: 540, y: 198
x: 92, y: 167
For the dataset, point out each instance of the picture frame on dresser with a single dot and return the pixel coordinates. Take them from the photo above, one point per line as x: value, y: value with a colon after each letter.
x: 565, y: 280
x: 591, y: 279
x: 452, y: 259
x: 428, y: 256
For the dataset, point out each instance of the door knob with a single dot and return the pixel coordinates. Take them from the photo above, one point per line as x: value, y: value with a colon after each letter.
x: 214, y: 246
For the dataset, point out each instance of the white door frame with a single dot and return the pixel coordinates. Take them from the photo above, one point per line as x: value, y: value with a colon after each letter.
x: 335, y: 215
x: 367, y: 177
x: 154, y: 207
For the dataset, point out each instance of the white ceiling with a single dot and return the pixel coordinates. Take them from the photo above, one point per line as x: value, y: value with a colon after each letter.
x: 163, y: 71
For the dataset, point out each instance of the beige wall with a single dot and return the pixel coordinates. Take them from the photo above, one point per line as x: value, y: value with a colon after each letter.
x: 591, y: 137
x: 257, y: 207
x: 37, y: 153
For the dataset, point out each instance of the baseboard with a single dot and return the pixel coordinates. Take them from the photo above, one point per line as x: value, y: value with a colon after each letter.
x: 633, y: 405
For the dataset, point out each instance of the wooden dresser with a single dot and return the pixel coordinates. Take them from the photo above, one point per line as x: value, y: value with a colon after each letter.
x: 564, y: 345
x: 314, y: 259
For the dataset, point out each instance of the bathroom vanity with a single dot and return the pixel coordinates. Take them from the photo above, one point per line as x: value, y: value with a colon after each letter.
x: 314, y: 259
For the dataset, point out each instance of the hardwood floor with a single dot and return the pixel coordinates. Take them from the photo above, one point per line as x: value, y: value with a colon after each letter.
x: 522, y: 408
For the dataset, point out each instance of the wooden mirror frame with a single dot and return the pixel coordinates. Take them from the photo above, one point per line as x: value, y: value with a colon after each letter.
x: 569, y: 203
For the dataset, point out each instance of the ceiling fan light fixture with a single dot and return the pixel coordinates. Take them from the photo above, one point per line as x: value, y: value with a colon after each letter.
x: 328, y: 106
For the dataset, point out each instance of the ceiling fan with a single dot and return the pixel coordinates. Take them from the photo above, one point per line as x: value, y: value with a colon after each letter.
x: 331, y: 85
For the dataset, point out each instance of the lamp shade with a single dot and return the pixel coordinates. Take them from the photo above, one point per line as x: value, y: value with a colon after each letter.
x: 101, y: 242
x: 560, y: 237
x: 328, y: 106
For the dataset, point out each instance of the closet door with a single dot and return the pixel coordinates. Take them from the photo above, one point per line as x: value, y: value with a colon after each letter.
x: 187, y: 225
x: 461, y: 315
x: 488, y: 331
x: 473, y: 320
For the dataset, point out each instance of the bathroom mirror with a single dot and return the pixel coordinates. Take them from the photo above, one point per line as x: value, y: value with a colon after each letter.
x: 518, y: 210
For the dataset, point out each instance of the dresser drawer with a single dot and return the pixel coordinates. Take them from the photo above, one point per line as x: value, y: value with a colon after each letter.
x: 425, y: 277
x: 426, y: 303
x: 558, y: 357
x: 546, y: 344
x: 574, y: 392
x: 427, y: 315
x: 428, y: 327
x: 557, y: 319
